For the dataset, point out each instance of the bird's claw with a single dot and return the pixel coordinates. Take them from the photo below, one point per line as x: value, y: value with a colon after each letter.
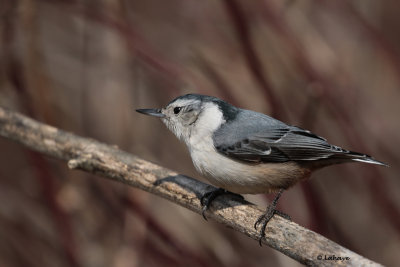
x: 263, y: 221
x: 208, y: 197
x: 267, y: 216
x: 283, y: 215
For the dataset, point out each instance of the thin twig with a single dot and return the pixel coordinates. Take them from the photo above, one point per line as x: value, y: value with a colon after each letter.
x: 301, y: 244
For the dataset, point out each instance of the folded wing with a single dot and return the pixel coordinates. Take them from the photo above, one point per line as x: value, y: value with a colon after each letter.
x: 270, y: 140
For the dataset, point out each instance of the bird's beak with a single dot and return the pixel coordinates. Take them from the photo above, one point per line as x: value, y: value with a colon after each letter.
x: 152, y: 112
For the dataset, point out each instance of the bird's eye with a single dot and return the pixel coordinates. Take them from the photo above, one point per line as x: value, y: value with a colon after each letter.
x: 177, y: 110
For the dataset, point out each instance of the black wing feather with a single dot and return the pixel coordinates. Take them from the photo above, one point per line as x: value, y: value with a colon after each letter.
x: 285, y: 145
x: 271, y: 141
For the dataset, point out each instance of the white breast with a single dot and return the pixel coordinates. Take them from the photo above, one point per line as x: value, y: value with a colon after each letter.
x: 233, y: 175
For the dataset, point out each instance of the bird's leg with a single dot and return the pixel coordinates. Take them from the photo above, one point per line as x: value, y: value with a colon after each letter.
x: 208, y: 197
x: 269, y: 213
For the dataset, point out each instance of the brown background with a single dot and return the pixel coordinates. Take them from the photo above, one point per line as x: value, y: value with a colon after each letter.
x: 329, y: 66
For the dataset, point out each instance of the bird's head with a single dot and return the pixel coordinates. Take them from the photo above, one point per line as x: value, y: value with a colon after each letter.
x: 193, y: 114
x: 181, y: 114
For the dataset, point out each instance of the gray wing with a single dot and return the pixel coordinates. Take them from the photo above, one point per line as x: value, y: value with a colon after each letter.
x: 255, y: 137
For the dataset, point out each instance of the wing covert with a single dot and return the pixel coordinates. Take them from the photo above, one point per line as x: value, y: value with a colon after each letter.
x: 270, y: 140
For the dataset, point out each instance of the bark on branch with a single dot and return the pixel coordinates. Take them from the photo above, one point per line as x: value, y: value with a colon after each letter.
x: 301, y: 244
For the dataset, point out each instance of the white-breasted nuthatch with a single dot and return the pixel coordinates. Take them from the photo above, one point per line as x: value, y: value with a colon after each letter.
x: 246, y: 152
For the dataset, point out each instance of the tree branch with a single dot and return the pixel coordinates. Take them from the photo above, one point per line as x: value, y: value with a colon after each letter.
x: 301, y: 244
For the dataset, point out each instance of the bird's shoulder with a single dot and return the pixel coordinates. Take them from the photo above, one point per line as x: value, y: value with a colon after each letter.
x: 247, y: 123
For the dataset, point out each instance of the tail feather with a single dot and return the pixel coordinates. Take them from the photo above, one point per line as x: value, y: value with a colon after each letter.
x: 342, y: 157
x: 355, y: 156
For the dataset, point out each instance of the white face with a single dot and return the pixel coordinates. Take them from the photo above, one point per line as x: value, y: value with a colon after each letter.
x: 181, y: 115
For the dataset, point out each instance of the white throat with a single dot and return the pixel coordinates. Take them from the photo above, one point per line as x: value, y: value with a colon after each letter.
x: 209, y: 120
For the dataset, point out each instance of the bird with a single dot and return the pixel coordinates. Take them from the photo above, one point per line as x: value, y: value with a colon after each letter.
x: 246, y: 152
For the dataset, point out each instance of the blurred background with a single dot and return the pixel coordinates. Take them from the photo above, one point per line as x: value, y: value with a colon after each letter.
x: 84, y: 66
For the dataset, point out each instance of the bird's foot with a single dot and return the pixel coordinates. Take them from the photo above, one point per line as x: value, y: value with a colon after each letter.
x: 267, y: 216
x: 208, y: 197
x: 283, y: 215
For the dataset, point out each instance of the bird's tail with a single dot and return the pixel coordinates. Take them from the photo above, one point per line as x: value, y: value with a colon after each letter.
x: 343, y: 157
x: 355, y: 156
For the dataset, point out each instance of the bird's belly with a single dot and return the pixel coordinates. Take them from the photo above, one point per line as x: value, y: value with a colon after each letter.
x: 246, y: 178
